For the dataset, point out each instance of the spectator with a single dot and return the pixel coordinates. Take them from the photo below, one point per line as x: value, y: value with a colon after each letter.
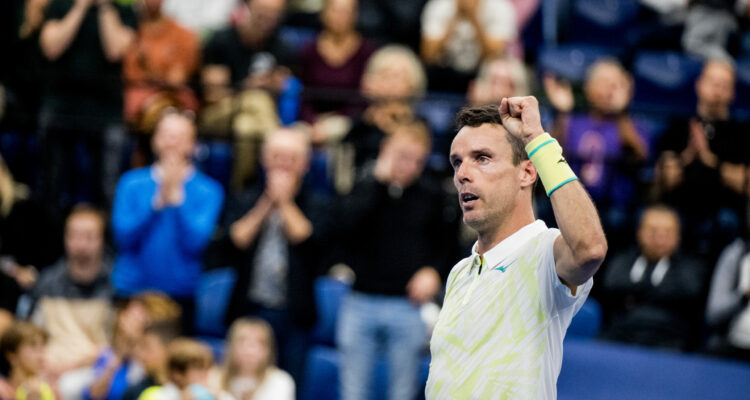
x: 334, y: 63
x: 392, y: 222
x: 249, y: 54
x: 728, y: 312
x: 22, y: 346
x: 114, y: 367
x: 711, y: 148
x: 276, y: 231
x: 497, y: 78
x: 458, y: 34
x: 20, y: 84
x: 188, y: 365
x: 163, y: 218
x: 151, y: 353
x: 654, y: 292
x: 251, y: 58
x: 249, y: 370
x: 72, y: 298
x: 84, y: 41
x: 29, y: 241
x: 393, y: 80
x: 158, y: 66
x: 604, y: 144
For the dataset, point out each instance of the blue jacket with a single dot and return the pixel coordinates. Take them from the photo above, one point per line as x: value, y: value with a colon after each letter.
x: 162, y: 250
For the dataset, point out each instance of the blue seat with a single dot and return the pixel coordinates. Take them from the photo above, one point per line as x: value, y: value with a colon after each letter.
x: 602, y: 22
x: 570, y: 61
x: 600, y: 370
x: 665, y: 82
x: 328, y: 296
x: 321, y: 381
x: 211, y: 301
x: 215, y: 159
x: 587, y: 323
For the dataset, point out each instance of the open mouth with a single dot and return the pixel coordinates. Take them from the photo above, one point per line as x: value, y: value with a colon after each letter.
x: 468, y: 199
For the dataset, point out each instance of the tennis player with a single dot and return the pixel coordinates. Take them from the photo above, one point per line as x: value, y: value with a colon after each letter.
x: 508, y: 305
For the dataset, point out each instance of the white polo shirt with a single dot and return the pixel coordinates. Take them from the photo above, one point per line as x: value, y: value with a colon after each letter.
x: 500, y: 332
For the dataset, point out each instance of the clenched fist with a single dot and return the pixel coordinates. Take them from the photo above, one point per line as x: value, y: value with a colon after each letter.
x: 521, y: 117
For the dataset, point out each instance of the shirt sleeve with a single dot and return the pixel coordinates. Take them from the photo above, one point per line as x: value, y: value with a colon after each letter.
x: 435, y: 18
x: 559, y: 298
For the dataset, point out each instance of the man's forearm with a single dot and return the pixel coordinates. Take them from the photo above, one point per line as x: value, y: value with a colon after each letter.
x: 57, y: 35
x: 115, y: 36
x: 581, y: 231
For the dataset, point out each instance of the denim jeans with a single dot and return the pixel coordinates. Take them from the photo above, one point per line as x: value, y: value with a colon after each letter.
x: 371, y: 324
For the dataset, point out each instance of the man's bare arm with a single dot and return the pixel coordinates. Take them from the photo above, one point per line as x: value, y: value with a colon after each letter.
x: 116, y: 37
x: 58, y: 34
x: 581, y: 248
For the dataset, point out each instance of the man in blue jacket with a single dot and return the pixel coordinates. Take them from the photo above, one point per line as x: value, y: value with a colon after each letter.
x: 163, y: 218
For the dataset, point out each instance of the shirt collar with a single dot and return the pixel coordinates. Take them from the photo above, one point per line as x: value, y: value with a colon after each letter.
x: 497, y: 254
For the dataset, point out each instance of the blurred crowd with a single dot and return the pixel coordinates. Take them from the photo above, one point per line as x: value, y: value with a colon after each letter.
x: 146, y: 141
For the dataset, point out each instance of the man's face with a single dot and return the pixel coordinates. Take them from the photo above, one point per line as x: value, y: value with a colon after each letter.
x: 715, y: 86
x: 174, y: 136
x: 606, y: 86
x: 265, y: 14
x: 408, y: 157
x: 658, y: 234
x: 84, y: 237
x: 287, y: 153
x: 488, y: 183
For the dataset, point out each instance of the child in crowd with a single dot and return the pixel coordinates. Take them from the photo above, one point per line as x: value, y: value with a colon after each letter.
x: 250, y: 371
x: 22, y: 346
x: 151, y: 352
x: 188, y: 366
x: 115, y: 369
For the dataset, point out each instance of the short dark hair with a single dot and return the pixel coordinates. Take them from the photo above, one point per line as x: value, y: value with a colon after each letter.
x: 166, y: 330
x: 474, y: 116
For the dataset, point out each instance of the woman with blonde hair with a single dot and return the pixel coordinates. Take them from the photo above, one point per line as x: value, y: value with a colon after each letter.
x: 250, y: 371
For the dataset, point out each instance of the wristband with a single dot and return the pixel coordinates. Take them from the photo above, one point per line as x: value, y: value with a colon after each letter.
x: 546, y: 155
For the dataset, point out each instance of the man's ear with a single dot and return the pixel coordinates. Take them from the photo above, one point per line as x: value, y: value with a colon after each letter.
x: 527, y: 173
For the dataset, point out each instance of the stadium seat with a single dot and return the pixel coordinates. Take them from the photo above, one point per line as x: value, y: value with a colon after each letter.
x: 601, y: 22
x: 211, y: 301
x: 329, y: 293
x: 600, y: 370
x: 587, y: 323
x: 665, y: 82
x: 570, y: 61
x: 321, y: 381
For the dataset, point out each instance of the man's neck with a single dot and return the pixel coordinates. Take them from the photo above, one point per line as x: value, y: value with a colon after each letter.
x: 713, y: 114
x: 84, y: 271
x: 492, y: 237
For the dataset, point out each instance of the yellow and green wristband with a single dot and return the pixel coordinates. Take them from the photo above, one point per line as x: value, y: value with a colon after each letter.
x: 546, y: 155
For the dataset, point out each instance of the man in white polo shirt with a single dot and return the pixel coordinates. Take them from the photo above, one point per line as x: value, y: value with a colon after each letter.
x: 508, y: 305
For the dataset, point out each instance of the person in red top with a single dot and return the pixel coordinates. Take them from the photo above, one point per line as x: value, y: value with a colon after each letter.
x: 158, y: 66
